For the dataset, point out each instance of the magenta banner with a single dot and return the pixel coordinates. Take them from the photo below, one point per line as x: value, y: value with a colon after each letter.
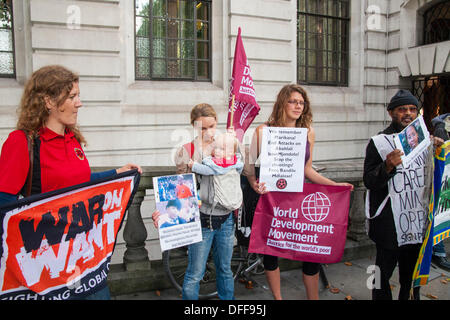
x: 307, y: 226
x: 245, y: 107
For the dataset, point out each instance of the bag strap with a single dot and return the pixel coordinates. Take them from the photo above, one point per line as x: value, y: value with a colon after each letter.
x: 380, y: 208
x: 29, y: 180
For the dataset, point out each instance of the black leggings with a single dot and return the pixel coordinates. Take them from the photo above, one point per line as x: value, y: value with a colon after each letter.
x: 309, y: 268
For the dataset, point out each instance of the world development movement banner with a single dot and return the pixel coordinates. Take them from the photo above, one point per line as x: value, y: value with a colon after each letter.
x: 307, y: 226
x: 58, y: 245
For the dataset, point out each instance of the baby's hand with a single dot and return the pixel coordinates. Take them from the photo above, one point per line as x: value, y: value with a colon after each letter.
x: 190, y: 164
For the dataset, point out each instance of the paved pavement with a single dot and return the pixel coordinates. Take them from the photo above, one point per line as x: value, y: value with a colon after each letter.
x: 347, y: 280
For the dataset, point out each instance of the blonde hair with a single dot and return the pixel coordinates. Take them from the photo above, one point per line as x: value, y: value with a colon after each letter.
x: 202, y: 110
x: 54, y: 82
x: 278, y: 116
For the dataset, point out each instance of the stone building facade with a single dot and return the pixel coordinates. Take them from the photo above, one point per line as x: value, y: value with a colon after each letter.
x: 143, y: 121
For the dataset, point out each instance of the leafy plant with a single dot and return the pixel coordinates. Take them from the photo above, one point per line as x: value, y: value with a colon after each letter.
x: 5, y: 13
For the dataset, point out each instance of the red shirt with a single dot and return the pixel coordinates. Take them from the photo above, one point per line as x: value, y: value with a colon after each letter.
x: 62, y: 161
x: 183, y: 191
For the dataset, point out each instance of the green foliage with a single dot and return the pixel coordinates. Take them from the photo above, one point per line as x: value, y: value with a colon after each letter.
x: 5, y: 14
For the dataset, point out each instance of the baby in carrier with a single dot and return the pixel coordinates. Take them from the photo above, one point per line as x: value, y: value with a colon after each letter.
x: 220, y: 186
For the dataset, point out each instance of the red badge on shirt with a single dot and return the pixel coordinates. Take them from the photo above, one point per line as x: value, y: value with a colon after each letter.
x: 79, y: 153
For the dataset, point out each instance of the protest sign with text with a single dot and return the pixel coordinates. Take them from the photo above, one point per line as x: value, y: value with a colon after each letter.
x: 409, y: 192
x: 283, y: 158
x: 58, y: 245
x: 308, y: 226
x: 177, y: 201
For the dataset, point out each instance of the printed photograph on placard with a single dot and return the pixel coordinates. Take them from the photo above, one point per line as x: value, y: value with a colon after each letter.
x: 172, y: 187
x: 413, y: 140
x: 178, y: 204
x: 177, y: 211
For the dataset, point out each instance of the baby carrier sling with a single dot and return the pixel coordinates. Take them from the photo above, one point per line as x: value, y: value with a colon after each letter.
x: 208, y: 221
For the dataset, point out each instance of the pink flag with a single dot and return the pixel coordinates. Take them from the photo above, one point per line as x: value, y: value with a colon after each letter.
x: 242, y: 93
x: 307, y: 226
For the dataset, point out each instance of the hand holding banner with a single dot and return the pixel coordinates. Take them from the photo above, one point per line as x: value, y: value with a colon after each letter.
x: 179, y: 223
x: 57, y: 245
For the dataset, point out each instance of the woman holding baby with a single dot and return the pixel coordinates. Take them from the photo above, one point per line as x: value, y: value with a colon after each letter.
x: 291, y: 109
x: 210, y: 156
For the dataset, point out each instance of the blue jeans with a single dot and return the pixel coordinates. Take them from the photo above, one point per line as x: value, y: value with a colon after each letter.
x: 222, y: 240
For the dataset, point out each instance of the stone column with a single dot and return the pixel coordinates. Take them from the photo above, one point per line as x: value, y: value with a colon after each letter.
x: 357, y: 218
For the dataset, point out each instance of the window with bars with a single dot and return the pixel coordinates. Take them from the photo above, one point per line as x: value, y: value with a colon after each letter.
x: 173, y: 40
x: 437, y: 23
x: 433, y: 93
x: 323, y: 42
x: 7, y: 65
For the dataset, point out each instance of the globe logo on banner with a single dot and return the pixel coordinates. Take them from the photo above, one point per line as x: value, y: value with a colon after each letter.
x: 316, y: 207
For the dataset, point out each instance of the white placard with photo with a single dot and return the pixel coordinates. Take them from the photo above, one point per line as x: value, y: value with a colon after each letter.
x: 283, y: 158
x: 176, y: 200
x: 412, y: 140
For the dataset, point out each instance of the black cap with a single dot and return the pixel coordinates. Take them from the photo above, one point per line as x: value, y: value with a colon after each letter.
x: 402, y: 98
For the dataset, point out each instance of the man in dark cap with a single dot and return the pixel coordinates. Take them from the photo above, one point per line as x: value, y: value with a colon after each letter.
x: 395, y: 228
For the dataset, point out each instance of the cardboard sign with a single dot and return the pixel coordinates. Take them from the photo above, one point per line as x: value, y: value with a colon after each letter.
x: 58, y: 245
x: 176, y: 200
x: 283, y: 158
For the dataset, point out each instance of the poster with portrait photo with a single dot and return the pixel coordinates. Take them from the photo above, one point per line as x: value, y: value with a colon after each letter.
x: 413, y: 140
x: 177, y: 202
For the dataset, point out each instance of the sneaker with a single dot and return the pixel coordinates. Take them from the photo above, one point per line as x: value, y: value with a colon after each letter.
x: 441, y: 262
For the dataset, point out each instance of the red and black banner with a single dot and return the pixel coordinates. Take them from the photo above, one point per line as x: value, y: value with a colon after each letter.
x: 58, y: 245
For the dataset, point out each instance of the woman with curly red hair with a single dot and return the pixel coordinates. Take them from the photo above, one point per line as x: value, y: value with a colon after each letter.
x: 47, y: 125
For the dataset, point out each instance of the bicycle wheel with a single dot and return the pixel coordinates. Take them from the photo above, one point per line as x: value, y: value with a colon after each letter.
x: 175, y: 262
x: 251, y: 262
